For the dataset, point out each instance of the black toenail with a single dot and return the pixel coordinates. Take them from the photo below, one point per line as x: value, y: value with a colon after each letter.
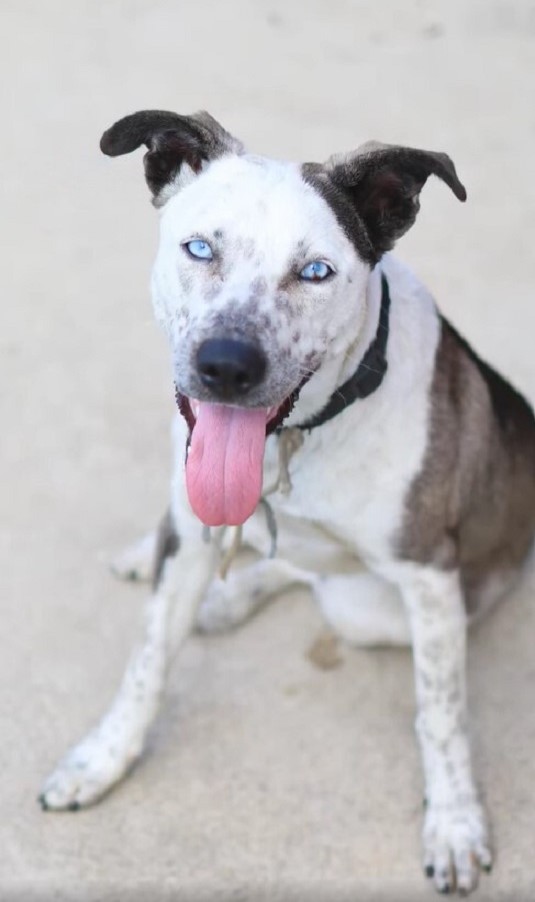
x: 445, y: 891
x: 42, y: 802
x: 429, y: 871
x: 74, y: 806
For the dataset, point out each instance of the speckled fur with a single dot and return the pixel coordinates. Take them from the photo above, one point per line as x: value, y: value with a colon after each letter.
x: 360, y: 525
x: 263, y: 223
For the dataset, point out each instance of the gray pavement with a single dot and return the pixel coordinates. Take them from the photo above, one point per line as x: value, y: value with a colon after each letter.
x: 266, y: 777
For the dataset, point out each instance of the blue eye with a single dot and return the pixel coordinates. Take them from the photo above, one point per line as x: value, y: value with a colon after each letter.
x: 316, y: 271
x: 199, y: 249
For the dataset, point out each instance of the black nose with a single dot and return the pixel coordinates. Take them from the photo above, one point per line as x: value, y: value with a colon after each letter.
x: 230, y: 368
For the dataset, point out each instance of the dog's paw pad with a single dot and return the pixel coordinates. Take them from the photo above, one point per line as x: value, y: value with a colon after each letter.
x: 456, y: 847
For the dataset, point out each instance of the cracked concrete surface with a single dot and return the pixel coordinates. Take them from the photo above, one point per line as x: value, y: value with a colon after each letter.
x: 266, y: 778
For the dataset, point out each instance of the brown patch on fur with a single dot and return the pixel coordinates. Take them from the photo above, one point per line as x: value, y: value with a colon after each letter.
x: 473, y: 504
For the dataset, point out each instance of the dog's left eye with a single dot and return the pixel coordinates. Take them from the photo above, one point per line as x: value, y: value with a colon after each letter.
x: 316, y: 271
x: 199, y: 249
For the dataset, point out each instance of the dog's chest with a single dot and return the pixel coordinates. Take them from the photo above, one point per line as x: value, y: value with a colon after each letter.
x: 352, y: 474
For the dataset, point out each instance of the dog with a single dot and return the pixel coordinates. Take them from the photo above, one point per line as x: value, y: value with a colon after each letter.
x: 325, y: 402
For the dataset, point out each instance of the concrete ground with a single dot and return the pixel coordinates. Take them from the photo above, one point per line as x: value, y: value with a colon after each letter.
x: 267, y: 778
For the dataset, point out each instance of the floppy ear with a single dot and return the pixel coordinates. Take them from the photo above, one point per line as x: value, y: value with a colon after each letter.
x: 172, y: 140
x: 383, y: 182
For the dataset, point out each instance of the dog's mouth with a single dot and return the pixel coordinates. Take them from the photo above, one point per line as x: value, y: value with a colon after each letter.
x: 225, y: 456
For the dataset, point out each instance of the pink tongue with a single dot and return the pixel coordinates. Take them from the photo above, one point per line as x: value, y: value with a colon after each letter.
x: 224, y: 465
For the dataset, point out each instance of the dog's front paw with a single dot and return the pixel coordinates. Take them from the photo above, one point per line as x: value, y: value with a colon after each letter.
x: 456, y: 846
x: 136, y: 562
x: 86, y: 773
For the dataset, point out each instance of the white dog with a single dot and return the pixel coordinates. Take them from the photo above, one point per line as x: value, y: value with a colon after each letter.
x: 389, y: 441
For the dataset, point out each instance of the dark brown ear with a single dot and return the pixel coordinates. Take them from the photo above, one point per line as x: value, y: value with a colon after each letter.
x: 384, y: 183
x: 172, y: 141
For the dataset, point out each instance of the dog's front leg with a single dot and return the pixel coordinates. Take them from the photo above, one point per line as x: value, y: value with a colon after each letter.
x: 455, y: 833
x: 91, y: 768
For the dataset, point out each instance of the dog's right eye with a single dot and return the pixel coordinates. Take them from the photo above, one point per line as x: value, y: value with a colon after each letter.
x: 198, y: 249
x: 316, y: 271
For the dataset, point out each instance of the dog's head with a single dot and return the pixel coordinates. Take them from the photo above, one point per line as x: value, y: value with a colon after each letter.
x: 260, y: 278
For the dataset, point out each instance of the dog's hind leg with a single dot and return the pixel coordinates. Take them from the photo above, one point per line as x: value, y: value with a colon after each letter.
x: 363, y: 609
x: 231, y: 601
x: 92, y: 767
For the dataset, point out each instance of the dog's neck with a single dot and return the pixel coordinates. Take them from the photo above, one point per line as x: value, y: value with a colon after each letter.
x: 322, y: 386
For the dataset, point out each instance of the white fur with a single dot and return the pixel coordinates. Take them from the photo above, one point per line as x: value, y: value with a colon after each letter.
x: 349, y: 479
x: 363, y: 609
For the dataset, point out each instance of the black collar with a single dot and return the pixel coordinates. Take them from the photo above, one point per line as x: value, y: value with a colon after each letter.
x: 368, y: 375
